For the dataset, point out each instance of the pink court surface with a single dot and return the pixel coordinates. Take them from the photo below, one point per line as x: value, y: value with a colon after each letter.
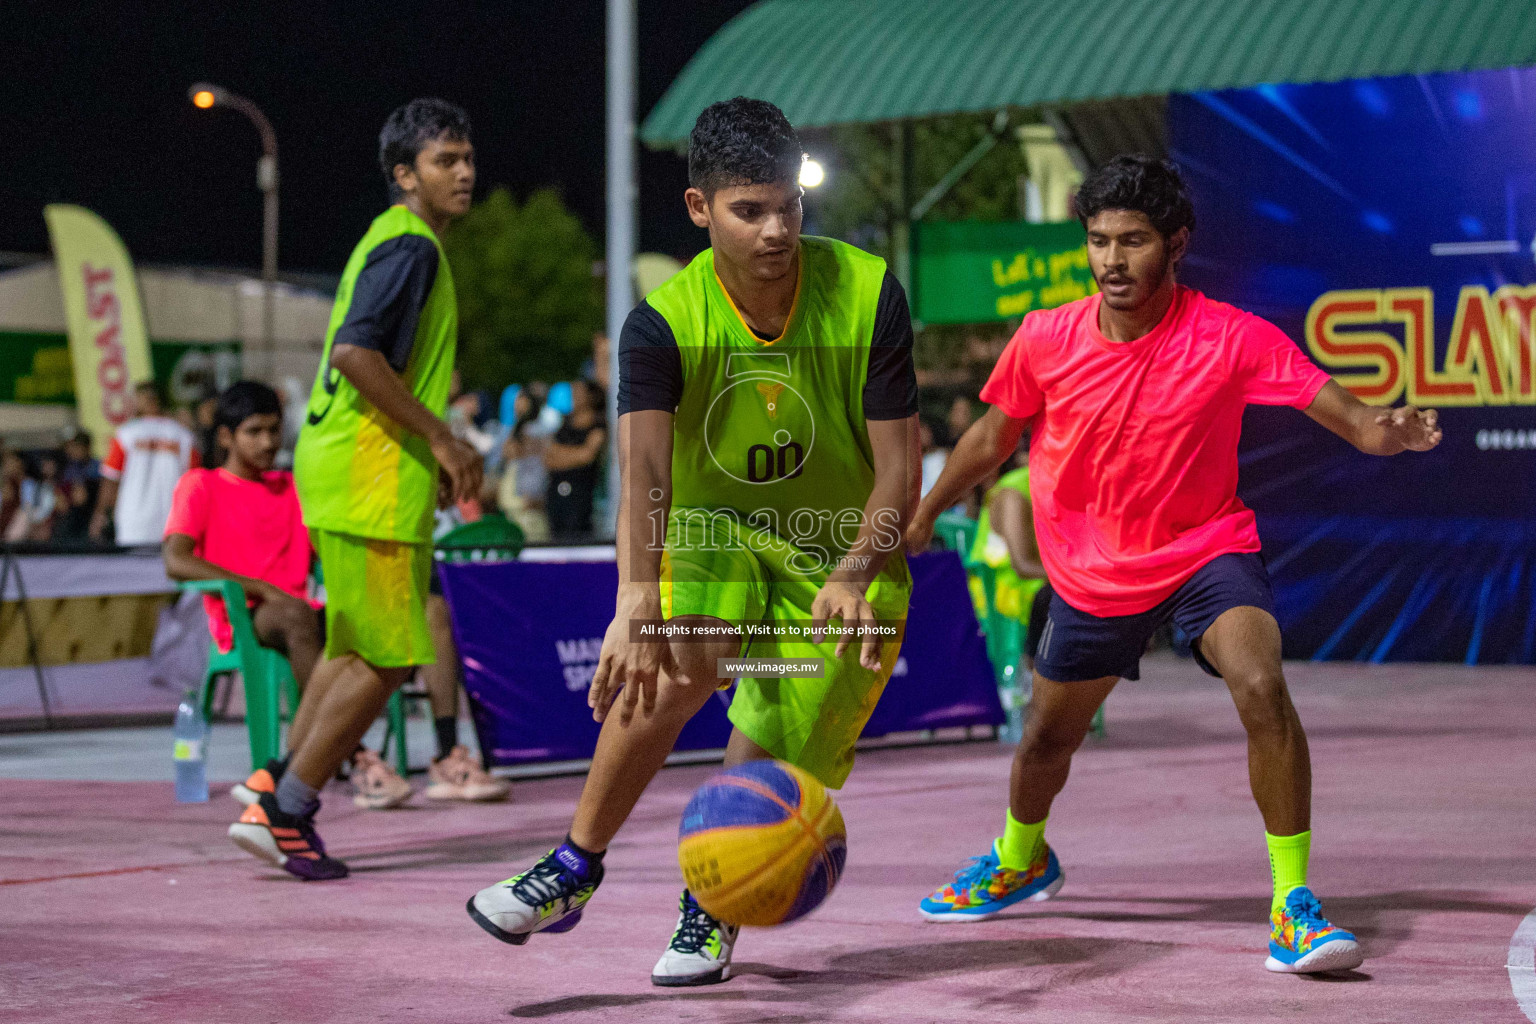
x: 118, y: 905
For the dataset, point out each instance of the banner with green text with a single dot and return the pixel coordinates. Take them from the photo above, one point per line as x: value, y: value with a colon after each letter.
x: 966, y: 272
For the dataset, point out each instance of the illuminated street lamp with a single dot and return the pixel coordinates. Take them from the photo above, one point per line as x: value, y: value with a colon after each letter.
x: 205, y: 96
x: 812, y: 174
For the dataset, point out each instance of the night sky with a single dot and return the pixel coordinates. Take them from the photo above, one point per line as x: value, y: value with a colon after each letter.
x: 93, y: 97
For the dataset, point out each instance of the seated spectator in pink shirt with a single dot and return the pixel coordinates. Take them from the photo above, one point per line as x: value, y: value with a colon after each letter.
x: 242, y: 522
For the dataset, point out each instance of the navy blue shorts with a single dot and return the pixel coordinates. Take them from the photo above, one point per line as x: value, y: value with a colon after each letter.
x: 1077, y: 646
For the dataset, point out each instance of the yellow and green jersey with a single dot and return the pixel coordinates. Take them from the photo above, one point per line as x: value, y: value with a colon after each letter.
x: 357, y: 471
x: 1012, y: 592
x: 772, y: 432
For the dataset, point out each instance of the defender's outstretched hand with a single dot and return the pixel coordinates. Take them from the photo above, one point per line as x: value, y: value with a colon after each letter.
x: 1415, y: 429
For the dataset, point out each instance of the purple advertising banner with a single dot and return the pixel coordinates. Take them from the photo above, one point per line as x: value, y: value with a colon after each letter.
x: 529, y: 634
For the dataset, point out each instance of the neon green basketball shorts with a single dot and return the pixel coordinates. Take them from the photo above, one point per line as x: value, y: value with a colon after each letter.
x: 744, y: 577
x: 375, y: 598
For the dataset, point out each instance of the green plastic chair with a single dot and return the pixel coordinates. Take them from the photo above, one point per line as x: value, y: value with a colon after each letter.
x: 958, y: 533
x: 268, y: 680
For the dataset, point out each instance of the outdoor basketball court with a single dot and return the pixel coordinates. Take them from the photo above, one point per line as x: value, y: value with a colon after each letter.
x: 117, y: 904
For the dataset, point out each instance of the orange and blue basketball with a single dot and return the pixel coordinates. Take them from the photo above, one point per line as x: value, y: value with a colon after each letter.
x: 761, y: 844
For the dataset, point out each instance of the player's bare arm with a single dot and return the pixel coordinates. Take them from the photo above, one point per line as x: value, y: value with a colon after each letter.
x: 369, y: 371
x: 627, y: 664
x: 183, y: 563
x: 886, y: 515
x: 981, y: 450
x: 1373, y: 429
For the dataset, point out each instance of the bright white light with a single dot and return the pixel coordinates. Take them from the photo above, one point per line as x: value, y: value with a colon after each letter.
x: 812, y: 173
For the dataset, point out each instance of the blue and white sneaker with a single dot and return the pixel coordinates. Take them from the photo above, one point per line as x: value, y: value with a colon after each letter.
x: 548, y: 897
x: 1302, y: 941
x: 984, y: 887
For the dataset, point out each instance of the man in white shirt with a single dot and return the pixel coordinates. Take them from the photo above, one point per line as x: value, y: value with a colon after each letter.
x: 148, y: 455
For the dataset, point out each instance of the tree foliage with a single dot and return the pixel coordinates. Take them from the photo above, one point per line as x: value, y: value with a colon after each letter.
x: 859, y: 202
x: 528, y: 301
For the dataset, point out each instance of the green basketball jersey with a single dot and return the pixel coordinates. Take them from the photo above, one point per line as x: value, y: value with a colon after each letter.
x: 357, y: 471
x: 1013, y: 593
x: 772, y: 433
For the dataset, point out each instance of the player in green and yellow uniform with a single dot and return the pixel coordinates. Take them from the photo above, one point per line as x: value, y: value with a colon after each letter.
x: 1005, y: 541
x: 367, y: 474
x: 769, y: 453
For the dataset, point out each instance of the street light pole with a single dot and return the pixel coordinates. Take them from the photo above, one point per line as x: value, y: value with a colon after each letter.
x: 206, y: 95
x: 621, y: 212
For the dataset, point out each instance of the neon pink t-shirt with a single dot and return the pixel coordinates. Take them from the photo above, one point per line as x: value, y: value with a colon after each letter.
x: 1133, y: 450
x: 250, y: 527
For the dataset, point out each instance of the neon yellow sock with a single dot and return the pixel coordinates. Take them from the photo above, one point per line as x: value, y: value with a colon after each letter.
x: 1020, y: 843
x: 1287, y: 864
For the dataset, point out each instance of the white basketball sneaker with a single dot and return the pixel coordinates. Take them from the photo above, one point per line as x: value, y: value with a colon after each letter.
x: 700, y: 950
x: 548, y: 897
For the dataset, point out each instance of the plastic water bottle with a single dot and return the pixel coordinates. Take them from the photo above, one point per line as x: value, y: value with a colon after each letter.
x: 191, y: 736
x: 1012, y: 730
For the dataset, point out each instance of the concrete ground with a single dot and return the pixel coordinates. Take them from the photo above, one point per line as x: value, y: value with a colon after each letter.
x: 117, y: 904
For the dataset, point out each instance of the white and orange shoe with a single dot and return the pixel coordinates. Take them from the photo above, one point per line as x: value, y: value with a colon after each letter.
x: 262, y: 780
x: 376, y: 786
x: 287, y: 841
x: 460, y: 777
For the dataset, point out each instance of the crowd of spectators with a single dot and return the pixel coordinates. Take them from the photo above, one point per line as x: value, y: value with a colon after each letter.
x: 49, y: 494
x: 64, y: 495
x: 545, y: 448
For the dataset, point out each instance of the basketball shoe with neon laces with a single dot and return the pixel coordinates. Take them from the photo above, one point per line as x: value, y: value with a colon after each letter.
x: 1302, y: 941
x: 700, y: 950
x: 287, y: 841
x: 548, y: 897
x: 984, y: 887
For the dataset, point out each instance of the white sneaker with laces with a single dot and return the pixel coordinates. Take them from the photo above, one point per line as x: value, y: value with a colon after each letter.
x: 700, y: 950
x: 548, y: 897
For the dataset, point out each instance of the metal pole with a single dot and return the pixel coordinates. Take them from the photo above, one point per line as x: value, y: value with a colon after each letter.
x: 962, y: 167
x: 901, y: 224
x: 266, y: 176
x: 621, y: 213
x: 11, y: 564
x: 206, y: 94
x: 266, y: 180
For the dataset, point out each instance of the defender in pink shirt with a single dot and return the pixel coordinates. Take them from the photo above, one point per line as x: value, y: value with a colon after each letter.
x: 1134, y: 399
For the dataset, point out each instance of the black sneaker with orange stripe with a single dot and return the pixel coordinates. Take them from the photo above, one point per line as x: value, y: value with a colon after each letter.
x: 262, y: 780
x: 288, y: 841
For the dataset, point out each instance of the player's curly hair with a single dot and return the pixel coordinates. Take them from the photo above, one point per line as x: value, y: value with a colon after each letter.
x: 1140, y: 183
x: 742, y: 141
x: 410, y: 128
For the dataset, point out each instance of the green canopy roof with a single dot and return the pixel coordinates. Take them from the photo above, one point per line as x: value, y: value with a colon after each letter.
x: 849, y: 61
